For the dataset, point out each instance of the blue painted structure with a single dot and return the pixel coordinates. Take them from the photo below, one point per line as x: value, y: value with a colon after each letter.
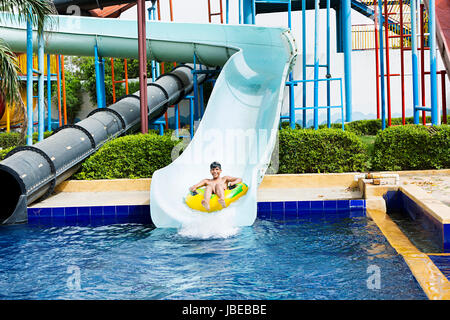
x: 99, y: 79
x: 49, y: 95
x: 415, y: 63
x: 433, y: 63
x: 41, y: 88
x: 345, y: 29
x: 29, y: 83
x: 382, y: 77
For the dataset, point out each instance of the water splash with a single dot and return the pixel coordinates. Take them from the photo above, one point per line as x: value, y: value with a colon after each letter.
x: 217, y: 225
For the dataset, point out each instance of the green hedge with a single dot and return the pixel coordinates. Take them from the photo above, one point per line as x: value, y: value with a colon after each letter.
x: 133, y: 156
x: 314, y: 151
x: 371, y: 127
x: 12, y: 139
x: 412, y: 147
x: 4, y: 152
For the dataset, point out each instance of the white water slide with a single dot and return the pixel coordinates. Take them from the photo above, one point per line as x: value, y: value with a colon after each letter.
x: 240, y: 124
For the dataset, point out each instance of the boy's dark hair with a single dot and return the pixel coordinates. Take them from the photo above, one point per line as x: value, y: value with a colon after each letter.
x: 215, y: 164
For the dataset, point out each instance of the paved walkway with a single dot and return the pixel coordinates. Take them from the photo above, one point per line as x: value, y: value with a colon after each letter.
x: 438, y: 184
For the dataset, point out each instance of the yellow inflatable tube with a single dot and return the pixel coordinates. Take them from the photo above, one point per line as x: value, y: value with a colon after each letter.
x: 194, y: 199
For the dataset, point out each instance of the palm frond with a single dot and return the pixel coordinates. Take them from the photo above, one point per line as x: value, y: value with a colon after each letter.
x: 38, y: 11
x: 10, y: 84
x: 9, y: 81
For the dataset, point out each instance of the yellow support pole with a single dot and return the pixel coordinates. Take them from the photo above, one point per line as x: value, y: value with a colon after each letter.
x: 8, y: 119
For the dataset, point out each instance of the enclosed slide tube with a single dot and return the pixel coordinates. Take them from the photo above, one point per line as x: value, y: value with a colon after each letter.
x: 32, y: 172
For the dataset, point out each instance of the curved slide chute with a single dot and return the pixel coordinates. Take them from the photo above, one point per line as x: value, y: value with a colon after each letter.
x: 244, y: 105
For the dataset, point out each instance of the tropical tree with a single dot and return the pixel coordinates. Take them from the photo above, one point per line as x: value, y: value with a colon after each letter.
x: 38, y: 12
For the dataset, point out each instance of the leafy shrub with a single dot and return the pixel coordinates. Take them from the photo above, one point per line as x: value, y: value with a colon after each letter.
x: 4, y: 152
x: 10, y: 139
x: 133, y: 156
x: 364, y: 127
x: 412, y: 147
x: 371, y: 127
x: 286, y: 125
x: 326, y: 150
x: 36, y: 135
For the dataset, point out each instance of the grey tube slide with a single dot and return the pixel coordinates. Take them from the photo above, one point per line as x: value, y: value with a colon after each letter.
x: 32, y: 172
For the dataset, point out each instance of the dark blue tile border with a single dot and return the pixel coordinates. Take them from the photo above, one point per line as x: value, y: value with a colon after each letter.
x: 443, y: 264
x: 97, y: 215
x: 398, y: 201
x: 278, y: 210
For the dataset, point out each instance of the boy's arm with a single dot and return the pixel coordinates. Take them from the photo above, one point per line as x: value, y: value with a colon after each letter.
x: 198, y: 185
x: 233, y: 180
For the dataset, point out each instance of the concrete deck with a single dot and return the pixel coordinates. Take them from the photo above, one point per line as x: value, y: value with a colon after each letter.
x: 283, y: 187
x: 434, y: 182
x: 137, y: 191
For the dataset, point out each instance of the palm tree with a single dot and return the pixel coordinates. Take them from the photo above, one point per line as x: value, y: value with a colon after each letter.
x: 9, y: 81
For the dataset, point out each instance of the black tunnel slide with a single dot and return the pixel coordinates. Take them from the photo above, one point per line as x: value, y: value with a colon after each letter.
x: 30, y: 173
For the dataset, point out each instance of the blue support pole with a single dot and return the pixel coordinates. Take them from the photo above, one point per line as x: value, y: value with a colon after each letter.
x: 433, y: 81
x: 102, y: 66
x: 176, y: 119
x: 240, y: 11
x: 415, y: 63
x: 202, y: 104
x: 227, y: 10
x: 328, y: 66
x: 197, y: 114
x: 291, y: 85
x: 60, y: 112
x: 316, y: 65
x: 152, y: 16
x: 339, y: 30
x: 247, y: 10
x: 304, y: 61
x: 41, y: 88
x: 29, y: 83
x: 191, y: 115
x: 380, y: 30
x: 98, y: 80
x: 291, y: 104
x: 289, y: 15
x: 49, y: 94
x: 347, y: 37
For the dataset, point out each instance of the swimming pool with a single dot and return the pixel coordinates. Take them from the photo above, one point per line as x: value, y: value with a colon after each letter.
x: 309, y: 258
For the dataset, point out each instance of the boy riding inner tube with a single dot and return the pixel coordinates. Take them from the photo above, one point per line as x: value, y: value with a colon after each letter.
x: 232, y: 193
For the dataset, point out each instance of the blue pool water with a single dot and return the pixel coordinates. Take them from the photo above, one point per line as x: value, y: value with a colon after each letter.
x: 311, y: 259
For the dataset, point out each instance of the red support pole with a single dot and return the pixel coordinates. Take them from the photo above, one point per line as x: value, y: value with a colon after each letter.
x: 402, y: 63
x: 377, y: 59
x: 158, y: 9
x: 126, y: 76
x: 171, y: 10
x: 64, y: 90
x: 444, y: 98
x: 59, y: 89
x: 142, y: 47
x: 113, y: 81
x: 388, y: 72
x: 221, y: 12
x: 422, y: 60
x: 209, y: 10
